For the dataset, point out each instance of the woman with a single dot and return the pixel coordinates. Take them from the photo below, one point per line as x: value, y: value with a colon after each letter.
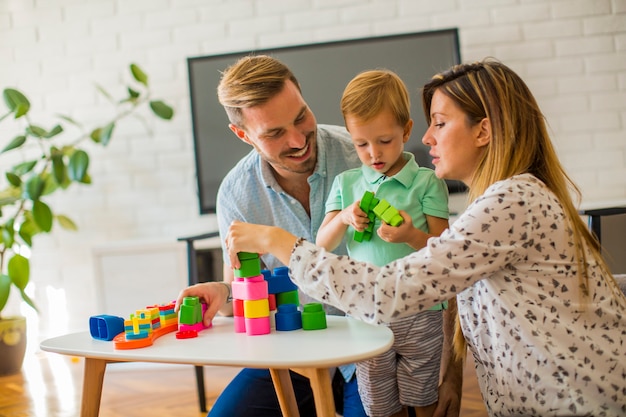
x: 538, y: 307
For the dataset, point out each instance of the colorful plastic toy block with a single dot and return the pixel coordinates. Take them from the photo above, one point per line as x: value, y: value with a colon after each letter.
x: 190, y: 321
x: 142, y: 329
x: 288, y: 297
x: 288, y: 317
x: 250, y: 265
x: 251, y: 287
x: 376, y: 208
x: 105, y: 327
x: 313, y: 317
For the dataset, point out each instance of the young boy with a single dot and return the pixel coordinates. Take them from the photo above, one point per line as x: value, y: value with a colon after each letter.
x: 376, y: 110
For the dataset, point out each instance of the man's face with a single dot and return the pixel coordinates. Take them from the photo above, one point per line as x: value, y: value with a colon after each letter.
x: 283, y: 131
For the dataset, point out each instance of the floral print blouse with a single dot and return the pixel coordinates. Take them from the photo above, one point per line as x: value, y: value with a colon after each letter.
x: 540, y: 347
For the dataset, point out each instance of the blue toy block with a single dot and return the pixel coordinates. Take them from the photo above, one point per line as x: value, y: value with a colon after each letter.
x: 280, y: 283
x: 105, y: 327
x: 288, y: 317
x: 281, y: 270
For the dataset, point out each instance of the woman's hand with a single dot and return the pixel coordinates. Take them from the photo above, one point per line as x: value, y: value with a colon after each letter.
x: 255, y: 238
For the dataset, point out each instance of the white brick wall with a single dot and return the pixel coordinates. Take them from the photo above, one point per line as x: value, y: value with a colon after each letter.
x: 571, y: 53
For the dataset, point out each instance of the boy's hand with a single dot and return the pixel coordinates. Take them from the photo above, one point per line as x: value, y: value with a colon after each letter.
x: 354, y: 216
x: 399, y: 234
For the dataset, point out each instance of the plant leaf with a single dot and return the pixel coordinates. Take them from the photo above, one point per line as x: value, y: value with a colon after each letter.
x: 105, y: 93
x: 106, y: 133
x: 19, y: 270
x: 28, y: 300
x: 13, y: 179
x: 79, y: 162
x: 37, y: 131
x: 24, y: 167
x: 8, y: 235
x: 34, y: 188
x: 42, y: 215
x: 16, y: 102
x: 5, y: 290
x: 95, y: 135
x: 27, y: 230
x: 15, y: 143
x: 133, y: 93
x: 69, y: 120
x: 66, y: 222
x: 139, y: 74
x: 55, y: 131
x: 161, y: 109
x: 58, y: 167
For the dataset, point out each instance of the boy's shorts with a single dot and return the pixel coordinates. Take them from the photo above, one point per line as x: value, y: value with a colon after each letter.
x: 408, y: 373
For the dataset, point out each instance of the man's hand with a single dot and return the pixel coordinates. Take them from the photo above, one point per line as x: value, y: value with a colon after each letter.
x: 213, y: 294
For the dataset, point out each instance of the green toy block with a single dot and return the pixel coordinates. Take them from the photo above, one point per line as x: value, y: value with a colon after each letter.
x: 313, y: 317
x: 190, y: 311
x: 288, y: 297
x: 381, y: 207
x: 250, y: 265
x: 366, y: 201
x: 247, y: 255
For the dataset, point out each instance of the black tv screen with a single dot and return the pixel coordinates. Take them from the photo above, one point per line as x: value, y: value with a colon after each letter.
x: 323, y: 70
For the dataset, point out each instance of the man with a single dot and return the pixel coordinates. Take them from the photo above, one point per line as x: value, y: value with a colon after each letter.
x: 284, y: 181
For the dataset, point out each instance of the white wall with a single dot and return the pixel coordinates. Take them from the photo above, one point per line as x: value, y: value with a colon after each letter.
x: 572, y: 53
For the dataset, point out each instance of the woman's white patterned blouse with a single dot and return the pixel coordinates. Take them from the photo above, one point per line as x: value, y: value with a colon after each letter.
x: 540, y: 348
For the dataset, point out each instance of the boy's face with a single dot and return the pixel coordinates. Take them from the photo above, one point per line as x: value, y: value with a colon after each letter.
x: 283, y: 131
x: 379, y: 142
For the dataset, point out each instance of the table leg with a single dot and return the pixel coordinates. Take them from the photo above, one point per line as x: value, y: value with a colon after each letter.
x: 92, y: 387
x: 322, y: 390
x: 284, y: 391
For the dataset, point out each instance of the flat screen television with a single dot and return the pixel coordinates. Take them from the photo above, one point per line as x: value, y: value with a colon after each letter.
x: 323, y: 70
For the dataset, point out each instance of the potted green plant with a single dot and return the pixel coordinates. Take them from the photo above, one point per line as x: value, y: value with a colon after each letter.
x: 51, y: 164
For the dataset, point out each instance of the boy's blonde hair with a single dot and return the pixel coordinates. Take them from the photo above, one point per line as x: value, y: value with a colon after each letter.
x: 370, y: 92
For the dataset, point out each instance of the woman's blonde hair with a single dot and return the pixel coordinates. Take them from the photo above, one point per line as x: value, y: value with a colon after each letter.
x: 251, y: 81
x: 370, y: 92
x: 519, y: 144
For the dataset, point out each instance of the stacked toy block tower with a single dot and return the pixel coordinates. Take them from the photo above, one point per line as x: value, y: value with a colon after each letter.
x: 251, y: 308
x: 376, y: 208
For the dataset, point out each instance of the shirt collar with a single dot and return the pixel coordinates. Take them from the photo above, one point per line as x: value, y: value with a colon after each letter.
x: 404, y: 177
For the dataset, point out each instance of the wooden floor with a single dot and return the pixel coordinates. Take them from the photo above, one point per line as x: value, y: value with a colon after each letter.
x: 50, y: 386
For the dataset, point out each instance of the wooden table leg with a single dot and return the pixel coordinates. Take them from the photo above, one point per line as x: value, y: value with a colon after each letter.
x: 92, y: 387
x: 321, y: 385
x: 284, y: 391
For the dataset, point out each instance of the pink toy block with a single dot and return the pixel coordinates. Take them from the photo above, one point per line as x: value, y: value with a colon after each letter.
x: 249, y: 290
x: 257, y: 326
x: 240, y: 324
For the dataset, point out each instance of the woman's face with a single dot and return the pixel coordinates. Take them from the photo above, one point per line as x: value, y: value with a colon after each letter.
x: 455, y: 145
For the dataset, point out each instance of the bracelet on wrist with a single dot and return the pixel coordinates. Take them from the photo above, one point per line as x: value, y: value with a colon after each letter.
x: 229, y: 297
